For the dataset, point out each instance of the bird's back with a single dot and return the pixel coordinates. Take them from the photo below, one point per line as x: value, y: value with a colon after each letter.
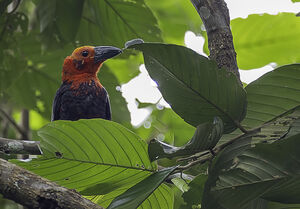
x: 89, y: 100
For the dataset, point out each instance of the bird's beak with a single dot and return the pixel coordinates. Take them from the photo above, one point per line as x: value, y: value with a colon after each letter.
x: 103, y: 53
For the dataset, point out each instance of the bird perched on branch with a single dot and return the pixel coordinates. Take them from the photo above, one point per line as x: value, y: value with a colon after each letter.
x: 81, y: 95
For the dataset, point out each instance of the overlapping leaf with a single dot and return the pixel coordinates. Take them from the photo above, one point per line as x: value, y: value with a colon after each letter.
x: 63, y: 15
x: 113, y: 22
x: 262, y: 39
x: 193, y: 85
x: 267, y: 171
x: 221, y: 163
x: 99, y: 158
x: 206, y: 137
x: 272, y: 95
x: 194, y: 195
x: 175, y: 18
x: 136, y: 195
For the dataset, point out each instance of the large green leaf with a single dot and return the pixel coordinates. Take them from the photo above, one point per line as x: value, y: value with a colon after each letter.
x: 38, y: 71
x: 175, y: 18
x: 205, y: 137
x: 221, y: 163
x: 113, y: 22
x: 272, y: 95
x: 262, y: 39
x: 193, y: 85
x: 137, y: 194
x: 194, y: 195
x: 99, y: 158
x: 275, y: 205
x: 270, y: 171
x: 63, y: 15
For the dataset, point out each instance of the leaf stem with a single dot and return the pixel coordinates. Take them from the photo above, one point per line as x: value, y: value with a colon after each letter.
x: 211, y: 154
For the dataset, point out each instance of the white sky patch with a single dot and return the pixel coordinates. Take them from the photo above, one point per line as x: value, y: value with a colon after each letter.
x: 194, y: 42
x: 242, y: 8
x: 145, y: 90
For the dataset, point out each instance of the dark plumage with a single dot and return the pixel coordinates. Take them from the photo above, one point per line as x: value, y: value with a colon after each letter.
x: 81, y: 95
x: 88, y: 101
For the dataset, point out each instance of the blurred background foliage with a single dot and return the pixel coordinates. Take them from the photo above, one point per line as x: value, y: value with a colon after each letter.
x: 36, y: 36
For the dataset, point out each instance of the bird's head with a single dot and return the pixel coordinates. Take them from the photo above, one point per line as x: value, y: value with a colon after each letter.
x: 85, y: 62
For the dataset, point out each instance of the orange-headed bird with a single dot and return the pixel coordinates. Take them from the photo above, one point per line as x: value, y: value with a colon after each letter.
x: 81, y: 95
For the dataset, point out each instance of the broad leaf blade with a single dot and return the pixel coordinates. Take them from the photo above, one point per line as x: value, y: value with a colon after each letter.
x: 113, y: 22
x: 137, y: 194
x: 262, y: 39
x: 205, y: 137
x: 270, y: 171
x: 194, y: 195
x: 193, y: 85
x: 96, y: 157
x: 274, y: 94
x: 222, y: 162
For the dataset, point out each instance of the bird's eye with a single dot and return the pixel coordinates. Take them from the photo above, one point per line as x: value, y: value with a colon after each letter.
x: 85, y: 53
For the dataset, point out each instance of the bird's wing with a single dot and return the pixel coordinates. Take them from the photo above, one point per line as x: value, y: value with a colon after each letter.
x: 57, y: 104
x: 108, y: 110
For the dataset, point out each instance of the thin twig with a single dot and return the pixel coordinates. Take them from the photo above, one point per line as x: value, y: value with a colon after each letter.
x: 15, y: 125
x: 196, y: 162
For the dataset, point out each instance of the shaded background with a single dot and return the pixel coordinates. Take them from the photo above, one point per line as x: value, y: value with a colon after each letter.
x: 36, y: 36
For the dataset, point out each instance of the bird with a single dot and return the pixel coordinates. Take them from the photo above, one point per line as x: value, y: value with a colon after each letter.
x: 81, y: 95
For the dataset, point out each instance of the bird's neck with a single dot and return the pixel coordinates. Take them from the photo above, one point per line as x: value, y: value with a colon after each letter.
x: 78, y: 79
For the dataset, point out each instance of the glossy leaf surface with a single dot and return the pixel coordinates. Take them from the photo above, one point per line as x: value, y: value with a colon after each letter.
x: 193, y: 85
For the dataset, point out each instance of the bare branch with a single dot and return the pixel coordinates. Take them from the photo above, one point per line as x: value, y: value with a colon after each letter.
x: 36, y: 192
x: 12, y: 146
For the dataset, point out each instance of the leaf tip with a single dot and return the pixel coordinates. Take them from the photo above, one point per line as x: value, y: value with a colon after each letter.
x: 133, y: 42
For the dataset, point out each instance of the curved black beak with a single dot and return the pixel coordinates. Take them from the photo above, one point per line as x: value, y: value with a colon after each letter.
x: 103, y: 53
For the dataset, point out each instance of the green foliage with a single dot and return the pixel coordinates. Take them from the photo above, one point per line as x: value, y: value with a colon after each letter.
x: 272, y: 95
x: 175, y: 18
x: 106, y: 159
x: 114, y: 22
x: 134, y: 196
x: 262, y: 39
x: 118, y: 104
x: 205, y: 137
x: 255, y: 164
x: 190, y: 92
x: 166, y: 125
x: 268, y: 171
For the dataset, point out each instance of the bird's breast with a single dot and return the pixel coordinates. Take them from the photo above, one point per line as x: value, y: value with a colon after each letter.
x: 87, y: 101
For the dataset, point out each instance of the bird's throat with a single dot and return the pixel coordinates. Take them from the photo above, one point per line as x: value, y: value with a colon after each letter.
x: 84, y: 78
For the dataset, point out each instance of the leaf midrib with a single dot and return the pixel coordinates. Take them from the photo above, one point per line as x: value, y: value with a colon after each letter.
x: 251, y: 183
x: 121, y: 17
x: 190, y: 88
x: 98, y: 163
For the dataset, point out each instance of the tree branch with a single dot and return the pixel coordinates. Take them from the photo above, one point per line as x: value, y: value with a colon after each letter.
x: 12, y: 146
x: 215, y: 16
x: 15, y: 125
x: 36, y: 192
